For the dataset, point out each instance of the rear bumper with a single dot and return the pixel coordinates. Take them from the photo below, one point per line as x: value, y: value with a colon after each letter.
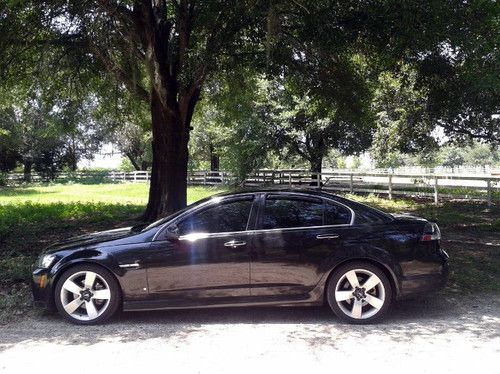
x: 417, y: 285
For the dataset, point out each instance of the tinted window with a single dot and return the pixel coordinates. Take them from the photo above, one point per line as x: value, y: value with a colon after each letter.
x: 336, y: 214
x: 282, y: 213
x: 224, y: 217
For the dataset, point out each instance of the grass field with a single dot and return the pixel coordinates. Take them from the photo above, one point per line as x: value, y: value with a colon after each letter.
x: 33, y: 217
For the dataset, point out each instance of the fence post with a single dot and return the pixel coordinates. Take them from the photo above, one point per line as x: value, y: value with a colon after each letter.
x: 351, y: 183
x: 290, y: 178
x: 488, y: 192
x: 135, y: 176
x: 390, y: 186
x: 318, y: 179
x: 436, y: 197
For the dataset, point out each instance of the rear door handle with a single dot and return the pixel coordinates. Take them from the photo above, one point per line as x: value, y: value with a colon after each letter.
x: 234, y: 243
x: 327, y: 236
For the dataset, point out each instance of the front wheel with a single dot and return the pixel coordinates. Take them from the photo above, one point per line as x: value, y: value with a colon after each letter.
x: 87, y: 294
x: 359, y: 293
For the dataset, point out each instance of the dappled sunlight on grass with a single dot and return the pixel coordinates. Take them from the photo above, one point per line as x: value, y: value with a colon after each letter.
x: 135, y: 193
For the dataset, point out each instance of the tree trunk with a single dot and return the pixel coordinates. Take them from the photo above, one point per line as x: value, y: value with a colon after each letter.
x: 73, y: 163
x: 27, y: 166
x: 168, y: 187
x: 316, y: 164
x: 214, y: 159
x: 133, y: 161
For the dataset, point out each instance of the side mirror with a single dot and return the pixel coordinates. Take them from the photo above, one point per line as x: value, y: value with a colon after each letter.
x: 172, y: 233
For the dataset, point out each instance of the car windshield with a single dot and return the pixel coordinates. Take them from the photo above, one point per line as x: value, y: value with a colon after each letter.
x: 179, y: 212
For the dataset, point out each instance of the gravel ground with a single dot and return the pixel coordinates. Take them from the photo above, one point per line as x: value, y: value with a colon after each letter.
x: 442, y: 334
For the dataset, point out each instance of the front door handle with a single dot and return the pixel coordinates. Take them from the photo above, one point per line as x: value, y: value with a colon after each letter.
x: 327, y: 236
x: 234, y: 243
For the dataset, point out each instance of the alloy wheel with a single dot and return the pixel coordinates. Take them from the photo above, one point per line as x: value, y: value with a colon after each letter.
x: 85, y: 295
x: 360, y: 294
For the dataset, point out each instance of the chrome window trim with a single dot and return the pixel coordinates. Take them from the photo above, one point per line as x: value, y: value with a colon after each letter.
x: 204, y: 235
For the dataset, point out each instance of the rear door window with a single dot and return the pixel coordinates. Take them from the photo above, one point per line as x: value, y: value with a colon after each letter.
x: 282, y: 212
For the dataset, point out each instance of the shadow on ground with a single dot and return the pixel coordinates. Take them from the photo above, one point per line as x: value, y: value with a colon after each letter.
x: 475, y: 318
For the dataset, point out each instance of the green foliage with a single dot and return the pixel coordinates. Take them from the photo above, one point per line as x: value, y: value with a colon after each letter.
x: 481, y: 154
x: 231, y: 120
x: 461, y: 73
x: 403, y: 125
x: 452, y: 156
x: 126, y: 165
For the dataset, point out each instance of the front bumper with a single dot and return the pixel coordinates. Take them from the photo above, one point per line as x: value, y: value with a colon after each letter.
x: 41, y: 287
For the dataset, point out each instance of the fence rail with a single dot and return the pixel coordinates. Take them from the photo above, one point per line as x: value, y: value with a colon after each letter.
x: 428, y: 185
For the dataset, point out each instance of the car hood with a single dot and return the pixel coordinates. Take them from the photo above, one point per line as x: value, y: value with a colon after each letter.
x: 93, y: 238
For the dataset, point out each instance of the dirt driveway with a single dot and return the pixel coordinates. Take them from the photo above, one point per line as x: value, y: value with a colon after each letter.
x: 442, y: 334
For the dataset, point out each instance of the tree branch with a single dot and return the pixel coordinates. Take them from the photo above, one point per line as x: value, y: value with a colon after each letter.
x: 118, y: 72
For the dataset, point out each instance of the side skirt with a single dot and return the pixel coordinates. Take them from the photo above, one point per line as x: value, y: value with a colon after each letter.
x: 143, y: 305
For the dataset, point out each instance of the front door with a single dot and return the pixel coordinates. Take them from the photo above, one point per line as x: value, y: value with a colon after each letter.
x: 209, y: 263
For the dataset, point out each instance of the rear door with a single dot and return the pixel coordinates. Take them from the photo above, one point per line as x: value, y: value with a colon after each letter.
x: 294, y: 235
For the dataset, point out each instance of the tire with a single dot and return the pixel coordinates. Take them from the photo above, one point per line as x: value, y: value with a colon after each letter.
x: 87, y: 295
x: 357, y: 304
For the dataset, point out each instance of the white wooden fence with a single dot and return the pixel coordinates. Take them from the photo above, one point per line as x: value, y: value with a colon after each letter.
x: 428, y: 185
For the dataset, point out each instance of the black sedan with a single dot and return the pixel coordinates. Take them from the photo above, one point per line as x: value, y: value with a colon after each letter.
x: 281, y: 248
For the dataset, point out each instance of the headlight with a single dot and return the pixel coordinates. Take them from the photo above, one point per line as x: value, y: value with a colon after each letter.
x: 46, y: 260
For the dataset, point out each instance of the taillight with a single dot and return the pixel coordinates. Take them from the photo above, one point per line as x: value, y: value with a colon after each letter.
x: 431, y: 232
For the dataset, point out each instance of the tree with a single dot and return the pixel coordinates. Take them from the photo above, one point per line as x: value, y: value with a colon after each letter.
x: 403, y: 124
x: 165, y: 52
x: 451, y: 156
x: 461, y: 74
x: 233, y: 122
x: 9, y: 140
x: 310, y: 124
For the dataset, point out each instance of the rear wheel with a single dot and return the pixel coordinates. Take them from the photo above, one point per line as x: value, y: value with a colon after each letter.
x: 87, y: 294
x: 359, y: 292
